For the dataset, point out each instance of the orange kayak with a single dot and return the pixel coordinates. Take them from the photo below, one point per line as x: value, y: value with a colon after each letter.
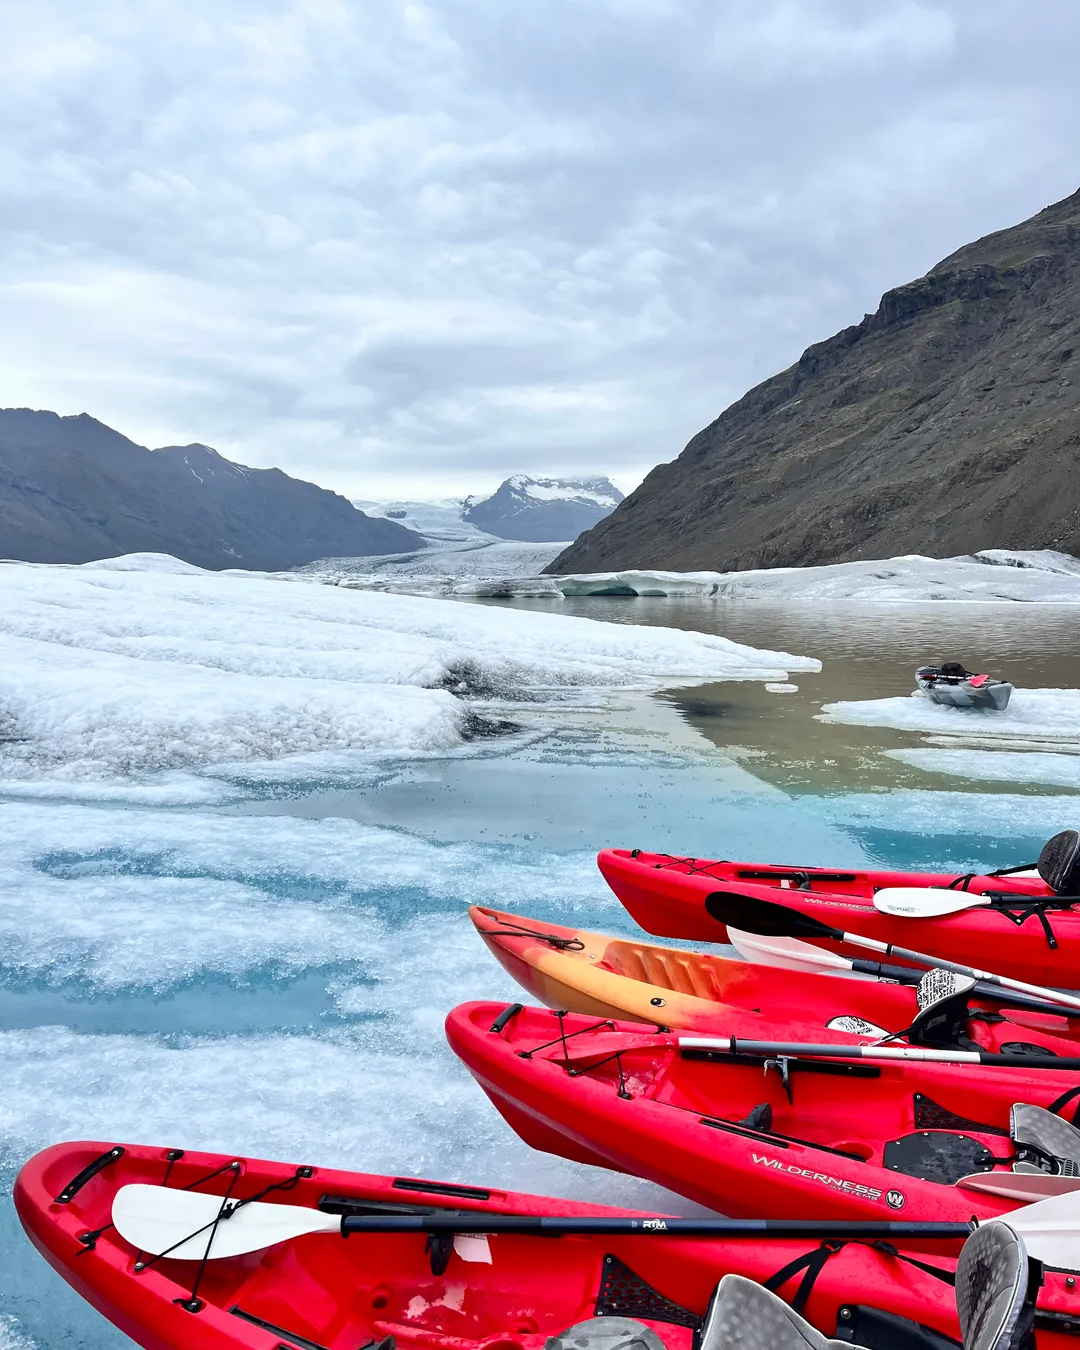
x: 629, y: 980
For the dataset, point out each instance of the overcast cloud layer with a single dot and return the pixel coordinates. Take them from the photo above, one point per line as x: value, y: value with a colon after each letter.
x: 407, y: 248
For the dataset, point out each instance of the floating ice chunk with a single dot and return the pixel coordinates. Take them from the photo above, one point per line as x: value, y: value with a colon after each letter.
x: 12, y: 1336
x: 105, y: 671
x: 1039, y: 575
x: 506, y: 588
x: 1003, y: 766
x: 1046, y: 714
x: 90, y: 713
x: 966, y: 820
x: 782, y: 688
x: 637, y: 582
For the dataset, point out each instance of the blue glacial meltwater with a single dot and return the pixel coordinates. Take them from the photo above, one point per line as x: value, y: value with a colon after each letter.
x: 258, y: 960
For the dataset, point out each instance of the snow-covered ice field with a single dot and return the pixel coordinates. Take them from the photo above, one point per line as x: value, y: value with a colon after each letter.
x: 1039, y: 576
x: 203, y: 943
x: 1032, y: 714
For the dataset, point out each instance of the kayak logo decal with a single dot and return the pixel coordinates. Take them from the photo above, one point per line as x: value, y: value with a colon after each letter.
x: 657, y: 1225
x: 895, y: 1198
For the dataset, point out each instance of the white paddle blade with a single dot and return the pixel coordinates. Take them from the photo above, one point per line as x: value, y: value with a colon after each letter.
x: 178, y: 1224
x: 1051, y: 1228
x: 1026, y: 1187
x: 785, y: 953
x: 924, y: 902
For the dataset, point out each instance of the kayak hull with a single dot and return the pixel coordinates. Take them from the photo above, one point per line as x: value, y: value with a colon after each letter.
x: 320, y: 1293
x: 628, y: 980
x: 666, y: 896
x: 627, y: 1096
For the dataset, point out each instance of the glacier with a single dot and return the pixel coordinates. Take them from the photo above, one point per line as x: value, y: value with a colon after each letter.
x: 1039, y: 576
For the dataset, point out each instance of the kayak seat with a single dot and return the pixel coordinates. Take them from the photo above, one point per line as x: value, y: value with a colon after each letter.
x: 1059, y: 863
x: 744, y: 1316
x: 1053, y: 1144
x: 993, y: 1290
x: 606, y: 1333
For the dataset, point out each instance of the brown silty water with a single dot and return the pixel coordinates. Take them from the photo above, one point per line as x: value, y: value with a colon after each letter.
x: 867, y: 652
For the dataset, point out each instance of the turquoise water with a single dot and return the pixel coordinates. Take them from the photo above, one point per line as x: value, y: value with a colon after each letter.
x: 269, y: 975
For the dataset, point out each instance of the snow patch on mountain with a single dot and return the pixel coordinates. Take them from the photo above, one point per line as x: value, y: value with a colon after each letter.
x: 543, y: 509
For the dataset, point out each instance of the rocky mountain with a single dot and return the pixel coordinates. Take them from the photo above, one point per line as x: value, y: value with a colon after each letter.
x: 541, y: 509
x: 946, y: 422
x: 73, y: 490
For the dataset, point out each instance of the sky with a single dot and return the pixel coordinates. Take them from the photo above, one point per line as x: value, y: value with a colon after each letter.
x: 405, y: 249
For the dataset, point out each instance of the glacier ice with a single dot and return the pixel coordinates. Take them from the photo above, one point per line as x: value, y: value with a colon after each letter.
x: 1039, y: 575
x: 150, y: 668
x: 1043, y: 714
x: 1002, y: 766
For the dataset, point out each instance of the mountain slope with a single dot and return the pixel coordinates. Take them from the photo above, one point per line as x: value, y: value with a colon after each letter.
x: 73, y: 490
x: 541, y: 509
x: 944, y: 423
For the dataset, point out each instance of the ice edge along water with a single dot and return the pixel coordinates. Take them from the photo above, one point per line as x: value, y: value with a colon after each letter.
x: 106, y: 671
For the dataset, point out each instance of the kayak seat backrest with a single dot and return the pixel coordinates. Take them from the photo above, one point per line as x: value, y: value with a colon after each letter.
x: 744, y: 1316
x: 1055, y: 1141
x: 606, y: 1333
x: 1059, y: 863
x: 992, y: 1282
x: 953, y: 670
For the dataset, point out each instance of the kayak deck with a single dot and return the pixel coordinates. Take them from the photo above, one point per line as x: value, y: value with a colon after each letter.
x: 756, y: 1134
x: 320, y: 1292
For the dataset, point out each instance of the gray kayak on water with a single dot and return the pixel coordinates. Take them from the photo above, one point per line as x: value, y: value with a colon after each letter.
x: 956, y: 687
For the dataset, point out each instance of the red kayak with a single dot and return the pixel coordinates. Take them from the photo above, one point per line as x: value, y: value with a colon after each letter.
x: 666, y: 896
x: 759, y: 1134
x: 318, y: 1292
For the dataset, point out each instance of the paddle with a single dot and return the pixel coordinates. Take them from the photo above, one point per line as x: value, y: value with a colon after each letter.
x: 1022, y: 1186
x: 931, y: 902
x: 785, y: 953
x: 769, y: 919
x: 732, y: 1045
x: 186, y: 1225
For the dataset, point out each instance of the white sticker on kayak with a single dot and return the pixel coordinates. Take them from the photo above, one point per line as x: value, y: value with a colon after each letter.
x: 473, y: 1247
x: 895, y: 1199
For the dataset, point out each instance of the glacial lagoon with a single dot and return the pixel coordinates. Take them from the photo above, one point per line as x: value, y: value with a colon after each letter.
x: 263, y: 965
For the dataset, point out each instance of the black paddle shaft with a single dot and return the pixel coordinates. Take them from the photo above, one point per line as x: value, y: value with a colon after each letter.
x: 556, y: 1226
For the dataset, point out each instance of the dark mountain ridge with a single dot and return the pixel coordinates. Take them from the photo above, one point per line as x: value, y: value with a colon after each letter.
x: 73, y: 490
x: 946, y: 422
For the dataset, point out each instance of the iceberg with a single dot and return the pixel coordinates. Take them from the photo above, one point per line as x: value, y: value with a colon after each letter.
x: 1032, y: 714
x: 1039, y: 576
x: 997, y: 766
x: 139, y: 666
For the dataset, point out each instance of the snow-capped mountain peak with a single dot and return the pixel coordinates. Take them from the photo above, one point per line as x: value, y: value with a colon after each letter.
x: 543, y: 509
x: 599, y: 490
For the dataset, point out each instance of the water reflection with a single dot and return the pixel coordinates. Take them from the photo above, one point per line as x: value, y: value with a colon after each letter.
x: 867, y: 651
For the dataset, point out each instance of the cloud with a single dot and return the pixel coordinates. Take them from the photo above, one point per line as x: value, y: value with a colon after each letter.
x: 416, y: 247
